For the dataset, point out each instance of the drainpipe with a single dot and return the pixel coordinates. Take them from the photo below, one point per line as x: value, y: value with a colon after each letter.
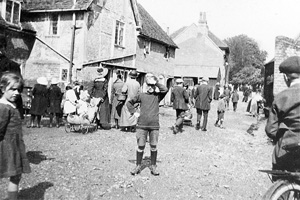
x: 72, y: 47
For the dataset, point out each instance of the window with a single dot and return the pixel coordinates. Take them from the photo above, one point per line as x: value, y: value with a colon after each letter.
x: 64, y: 75
x: 12, y: 11
x: 53, y: 28
x: 167, y: 53
x: 119, y: 34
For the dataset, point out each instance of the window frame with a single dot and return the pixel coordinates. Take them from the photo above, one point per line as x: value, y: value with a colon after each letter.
x: 119, y: 26
x: 50, y: 20
x: 61, y: 75
x: 12, y: 17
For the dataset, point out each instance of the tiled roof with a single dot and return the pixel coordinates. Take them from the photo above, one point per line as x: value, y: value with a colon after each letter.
x: 32, y: 5
x: 151, y: 29
x: 214, y: 38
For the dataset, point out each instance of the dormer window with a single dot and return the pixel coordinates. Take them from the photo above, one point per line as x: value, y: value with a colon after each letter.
x: 10, y: 11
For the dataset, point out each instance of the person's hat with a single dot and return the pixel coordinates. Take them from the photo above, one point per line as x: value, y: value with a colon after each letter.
x: 133, y: 74
x: 54, y: 81
x: 290, y: 65
x: 205, y: 79
x: 102, y: 72
x: 42, y: 81
x: 179, y: 80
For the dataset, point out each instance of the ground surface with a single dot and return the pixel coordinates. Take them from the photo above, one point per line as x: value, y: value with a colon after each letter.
x: 217, y: 164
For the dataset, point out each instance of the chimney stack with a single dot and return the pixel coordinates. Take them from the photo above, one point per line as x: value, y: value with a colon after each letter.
x: 202, y: 24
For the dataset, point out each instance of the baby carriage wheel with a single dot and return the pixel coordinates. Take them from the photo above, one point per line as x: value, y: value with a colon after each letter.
x: 68, y: 127
x: 84, y: 129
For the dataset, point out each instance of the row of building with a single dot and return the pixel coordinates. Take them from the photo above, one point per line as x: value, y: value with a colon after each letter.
x: 69, y: 39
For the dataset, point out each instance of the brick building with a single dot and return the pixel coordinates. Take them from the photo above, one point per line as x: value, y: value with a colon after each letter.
x: 274, y: 83
x: 200, y: 53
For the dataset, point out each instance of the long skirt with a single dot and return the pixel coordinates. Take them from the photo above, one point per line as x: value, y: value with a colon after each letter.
x: 126, y: 118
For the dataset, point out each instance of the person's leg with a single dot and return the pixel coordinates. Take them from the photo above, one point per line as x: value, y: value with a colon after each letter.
x: 141, y: 137
x: 199, y: 115
x: 39, y: 118
x: 13, y: 187
x: 57, y: 119
x: 221, y: 119
x: 153, y: 151
x: 205, y: 115
x: 32, y: 118
x: 179, y: 121
x: 51, y: 120
x: 217, y: 121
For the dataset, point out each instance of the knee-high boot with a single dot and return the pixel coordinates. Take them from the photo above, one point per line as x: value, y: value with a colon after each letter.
x: 153, y: 167
x: 139, y: 158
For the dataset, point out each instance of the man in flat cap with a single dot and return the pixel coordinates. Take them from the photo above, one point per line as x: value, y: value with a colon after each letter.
x: 180, y: 98
x: 283, y: 125
x: 203, y: 97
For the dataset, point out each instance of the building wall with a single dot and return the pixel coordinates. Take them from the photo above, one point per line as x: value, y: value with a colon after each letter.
x: 100, y: 36
x: 51, y: 53
x: 154, y: 62
x: 284, y: 48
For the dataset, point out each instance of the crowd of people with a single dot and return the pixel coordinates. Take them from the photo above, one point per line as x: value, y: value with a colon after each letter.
x: 134, y: 106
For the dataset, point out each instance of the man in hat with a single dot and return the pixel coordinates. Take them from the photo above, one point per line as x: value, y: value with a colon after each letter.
x: 283, y: 125
x: 131, y: 88
x: 203, y: 97
x: 8, y: 65
x: 180, y: 98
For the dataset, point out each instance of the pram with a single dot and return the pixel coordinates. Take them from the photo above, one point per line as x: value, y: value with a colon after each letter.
x: 84, y: 119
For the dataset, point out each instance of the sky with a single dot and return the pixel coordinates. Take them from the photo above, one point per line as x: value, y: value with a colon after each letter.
x: 261, y: 20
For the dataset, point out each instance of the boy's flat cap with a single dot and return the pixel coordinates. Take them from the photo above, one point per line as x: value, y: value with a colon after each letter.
x: 290, y: 65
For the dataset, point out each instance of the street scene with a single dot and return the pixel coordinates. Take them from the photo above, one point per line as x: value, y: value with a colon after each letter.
x: 219, y: 163
x: 137, y: 99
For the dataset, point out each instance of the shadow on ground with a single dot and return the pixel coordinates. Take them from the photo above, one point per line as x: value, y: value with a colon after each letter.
x: 36, y: 192
x: 36, y: 157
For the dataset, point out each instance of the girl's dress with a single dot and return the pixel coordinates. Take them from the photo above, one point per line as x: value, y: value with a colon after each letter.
x: 13, y: 159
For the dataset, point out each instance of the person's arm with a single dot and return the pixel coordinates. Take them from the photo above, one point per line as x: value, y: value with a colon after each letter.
x: 272, y: 123
x: 4, y: 119
x: 163, y: 90
x: 131, y: 104
x: 210, y: 94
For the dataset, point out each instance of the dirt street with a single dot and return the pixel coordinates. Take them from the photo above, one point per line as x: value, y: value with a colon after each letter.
x: 217, y: 164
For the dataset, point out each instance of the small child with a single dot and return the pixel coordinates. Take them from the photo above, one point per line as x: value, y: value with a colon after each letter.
x: 13, y: 159
x: 221, y: 111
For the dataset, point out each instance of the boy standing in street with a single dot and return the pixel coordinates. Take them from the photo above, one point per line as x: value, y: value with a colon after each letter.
x: 148, y: 121
x: 221, y: 111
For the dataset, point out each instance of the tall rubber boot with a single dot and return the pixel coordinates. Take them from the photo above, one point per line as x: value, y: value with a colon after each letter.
x: 153, y: 167
x: 139, y: 158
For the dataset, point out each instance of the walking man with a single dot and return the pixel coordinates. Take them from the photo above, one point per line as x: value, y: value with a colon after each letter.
x: 203, y: 96
x: 179, y: 98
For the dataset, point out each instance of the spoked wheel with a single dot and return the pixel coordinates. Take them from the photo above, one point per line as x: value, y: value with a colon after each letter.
x: 283, y: 190
x: 68, y: 127
x: 84, y: 129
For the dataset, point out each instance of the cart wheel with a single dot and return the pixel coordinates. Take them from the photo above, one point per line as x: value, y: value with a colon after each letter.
x: 68, y: 127
x: 77, y: 128
x: 85, y: 129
